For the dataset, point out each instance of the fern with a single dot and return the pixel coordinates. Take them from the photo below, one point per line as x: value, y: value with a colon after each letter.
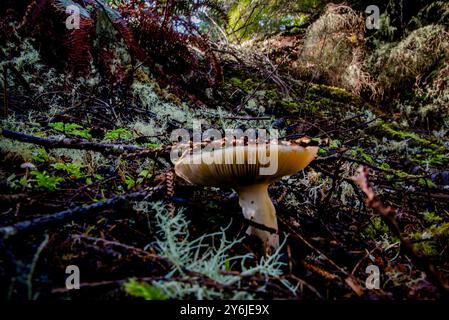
x: 158, y: 34
x: 32, y: 13
x: 80, y: 52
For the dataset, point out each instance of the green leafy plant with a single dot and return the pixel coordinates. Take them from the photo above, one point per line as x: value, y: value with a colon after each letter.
x: 144, y: 174
x: 432, y: 217
x: 120, y: 133
x: 130, y: 182
x: 17, y: 183
x: 41, y: 155
x: 72, y: 169
x: 71, y: 129
x: 144, y: 290
x: 153, y: 145
x: 376, y: 229
x: 45, y: 181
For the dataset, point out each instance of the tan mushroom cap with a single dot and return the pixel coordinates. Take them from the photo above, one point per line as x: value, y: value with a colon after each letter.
x: 291, y: 159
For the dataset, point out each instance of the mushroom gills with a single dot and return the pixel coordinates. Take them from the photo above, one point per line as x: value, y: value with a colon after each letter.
x: 257, y: 206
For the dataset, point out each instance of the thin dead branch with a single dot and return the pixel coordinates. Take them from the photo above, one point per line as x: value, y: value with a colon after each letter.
x: 388, y: 215
x: 74, y: 213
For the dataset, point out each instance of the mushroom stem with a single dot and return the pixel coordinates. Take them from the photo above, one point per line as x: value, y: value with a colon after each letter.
x: 257, y: 206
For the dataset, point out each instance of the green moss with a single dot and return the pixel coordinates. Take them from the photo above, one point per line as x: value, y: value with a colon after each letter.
x: 418, y: 179
x: 426, y: 151
x: 248, y: 84
x: 40, y: 155
x: 426, y: 182
x: 376, y: 228
x: 432, y: 240
x: 436, y: 157
x: 322, y: 152
x: 296, y: 107
x: 333, y: 94
x: 402, y: 134
x: 360, y: 152
x: 432, y: 217
x: 428, y: 248
x: 385, y: 166
x: 319, y: 99
x: 144, y: 290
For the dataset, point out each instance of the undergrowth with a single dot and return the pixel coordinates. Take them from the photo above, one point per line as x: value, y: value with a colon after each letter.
x: 208, y: 255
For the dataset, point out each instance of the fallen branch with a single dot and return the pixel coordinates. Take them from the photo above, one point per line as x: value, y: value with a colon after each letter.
x: 72, y: 213
x: 11, y: 198
x: 66, y: 143
x: 388, y: 215
x: 245, y: 118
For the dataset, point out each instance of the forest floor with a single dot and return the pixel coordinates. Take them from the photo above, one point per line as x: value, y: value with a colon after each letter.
x: 122, y: 216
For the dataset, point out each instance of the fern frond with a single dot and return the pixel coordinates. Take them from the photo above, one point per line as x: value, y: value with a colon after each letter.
x: 32, y: 13
x: 121, y: 26
x: 80, y: 47
x: 114, y: 72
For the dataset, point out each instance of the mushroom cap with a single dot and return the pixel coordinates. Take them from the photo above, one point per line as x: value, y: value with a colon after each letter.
x: 27, y: 165
x: 247, y: 171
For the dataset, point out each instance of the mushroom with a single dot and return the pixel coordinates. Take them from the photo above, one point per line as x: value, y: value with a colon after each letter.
x: 27, y: 166
x: 245, y: 174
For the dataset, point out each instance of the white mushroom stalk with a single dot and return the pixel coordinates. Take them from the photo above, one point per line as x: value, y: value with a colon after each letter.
x: 245, y: 168
x: 257, y: 206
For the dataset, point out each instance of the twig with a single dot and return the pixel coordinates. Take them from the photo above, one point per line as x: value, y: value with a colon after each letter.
x: 248, y: 118
x: 320, y: 271
x: 11, y: 198
x: 253, y: 93
x: 388, y: 215
x: 296, y: 234
x: 252, y: 283
x: 114, y: 244
x: 350, y: 280
x: 33, y: 267
x: 72, y: 213
x: 335, y: 178
x: 169, y: 182
x: 309, y: 286
x: 19, y: 77
x: 260, y: 226
x: 5, y: 91
x: 100, y: 244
